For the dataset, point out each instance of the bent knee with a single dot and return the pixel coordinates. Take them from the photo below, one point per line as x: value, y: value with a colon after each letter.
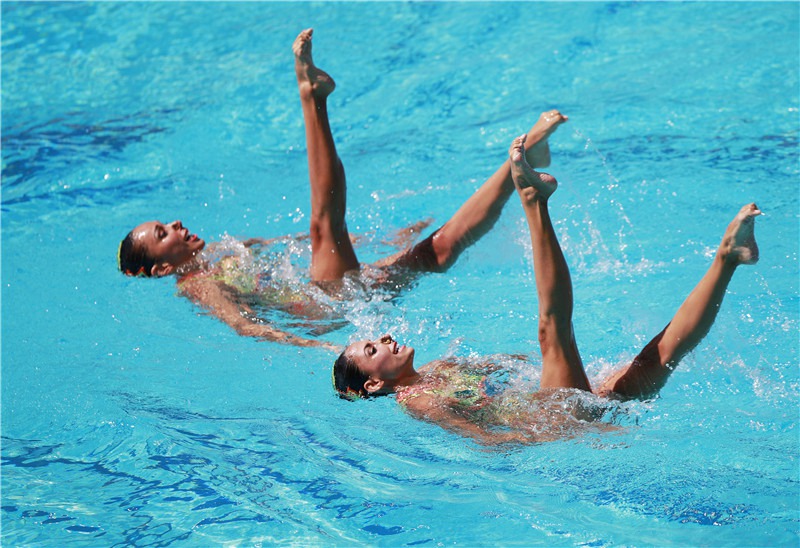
x: 433, y: 254
x: 444, y: 250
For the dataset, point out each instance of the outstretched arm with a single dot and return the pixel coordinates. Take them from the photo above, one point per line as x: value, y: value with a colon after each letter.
x: 265, y: 242
x: 403, y: 238
x: 218, y: 299
x: 427, y: 408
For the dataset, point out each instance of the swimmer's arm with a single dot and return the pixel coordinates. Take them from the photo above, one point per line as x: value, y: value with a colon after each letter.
x: 216, y: 298
x: 430, y: 409
x: 301, y: 237
x: 403, y: 238
x: 490, y: 364
x: 250, y: 242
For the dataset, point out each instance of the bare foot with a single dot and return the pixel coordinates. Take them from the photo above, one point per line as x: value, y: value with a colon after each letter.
x: 531, y: 184
x: 739, y: 242
x: 538, y: 150
x: 311, y: 80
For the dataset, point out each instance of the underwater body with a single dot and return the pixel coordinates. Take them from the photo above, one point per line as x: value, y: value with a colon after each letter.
x: 132, y: 417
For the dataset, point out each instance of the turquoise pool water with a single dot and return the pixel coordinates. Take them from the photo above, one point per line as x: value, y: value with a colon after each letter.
x: 130, y: 418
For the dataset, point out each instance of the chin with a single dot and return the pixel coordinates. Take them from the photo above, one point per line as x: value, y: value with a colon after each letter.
x: 410, y: 356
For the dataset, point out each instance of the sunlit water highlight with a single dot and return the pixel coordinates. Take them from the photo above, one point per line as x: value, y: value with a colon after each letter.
x: 130, y: 418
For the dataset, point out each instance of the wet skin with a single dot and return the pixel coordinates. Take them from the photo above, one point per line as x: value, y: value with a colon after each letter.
x: 170, y: 244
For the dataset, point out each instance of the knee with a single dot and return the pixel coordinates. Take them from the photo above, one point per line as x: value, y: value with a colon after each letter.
x: 443, y: 251
x: 321, y: 234
x: 322, y: 226
x: 545, y: 338
x: 316, y: 231
x: 554, y: 333
x: 442, y: 262
x: 433, y: 254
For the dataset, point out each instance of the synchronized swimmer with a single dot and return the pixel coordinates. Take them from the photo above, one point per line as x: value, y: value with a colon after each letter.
x: 155, y: 249
x: 441, y: 391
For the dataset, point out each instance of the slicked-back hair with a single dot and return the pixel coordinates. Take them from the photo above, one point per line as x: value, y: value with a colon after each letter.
x: 348, y: 380
x: 133, y: 260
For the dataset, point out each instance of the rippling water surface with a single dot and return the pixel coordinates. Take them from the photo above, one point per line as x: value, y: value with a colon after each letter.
x: 130, y: 418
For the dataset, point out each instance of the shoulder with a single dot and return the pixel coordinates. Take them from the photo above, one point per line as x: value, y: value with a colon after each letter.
x: 423, y: 405
x: 195, y: 277
x: 437, y: 366
x: 199, y: 284
x: 425, y: 399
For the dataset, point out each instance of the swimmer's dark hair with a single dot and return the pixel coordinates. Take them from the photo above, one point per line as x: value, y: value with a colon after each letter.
x: 348, y: 380
x: 133, y: 259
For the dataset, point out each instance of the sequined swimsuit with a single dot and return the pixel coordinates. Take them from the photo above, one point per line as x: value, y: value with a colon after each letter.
x: 476, y: 394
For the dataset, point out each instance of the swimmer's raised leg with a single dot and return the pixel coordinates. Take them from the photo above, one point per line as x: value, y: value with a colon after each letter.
x: 649, y: 371
x: 332, y: 252
x: 532, y: 185
x: 481, y: 210
x: 561, y: 362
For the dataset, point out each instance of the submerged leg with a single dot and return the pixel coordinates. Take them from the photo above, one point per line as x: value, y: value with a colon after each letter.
x: 561, y: 362
x: 481, y: 210
x: 332, y: 252
x: 649, y: 371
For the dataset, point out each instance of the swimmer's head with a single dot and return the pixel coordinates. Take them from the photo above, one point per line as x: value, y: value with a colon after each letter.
x: 372, y: 368
x: 156, y: 249
x: 348, y: 380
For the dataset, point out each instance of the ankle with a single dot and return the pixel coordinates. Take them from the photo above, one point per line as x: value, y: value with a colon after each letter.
x: 726, y: 259
x: 306, y: 89
x: 530, y: 197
